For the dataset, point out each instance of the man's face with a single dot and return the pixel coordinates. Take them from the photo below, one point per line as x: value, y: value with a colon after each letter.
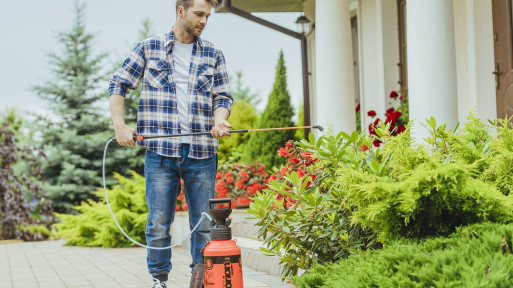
x: 196, y: 17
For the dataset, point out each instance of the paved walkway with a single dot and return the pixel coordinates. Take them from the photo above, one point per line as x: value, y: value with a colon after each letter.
x: 50, y: 264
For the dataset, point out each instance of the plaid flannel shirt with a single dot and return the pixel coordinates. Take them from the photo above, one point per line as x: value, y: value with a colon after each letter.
x: 151, y: 62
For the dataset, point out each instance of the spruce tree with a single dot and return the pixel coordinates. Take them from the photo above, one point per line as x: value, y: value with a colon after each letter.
x: 74, y: 141
x: 263, y: 146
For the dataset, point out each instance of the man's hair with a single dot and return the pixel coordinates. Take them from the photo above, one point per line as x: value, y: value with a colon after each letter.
x: 186, y: 4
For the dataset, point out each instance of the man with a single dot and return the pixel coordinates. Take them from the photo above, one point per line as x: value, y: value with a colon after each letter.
x: 184, y: 90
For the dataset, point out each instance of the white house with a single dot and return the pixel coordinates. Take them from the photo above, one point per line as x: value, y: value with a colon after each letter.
x: 446, y: 55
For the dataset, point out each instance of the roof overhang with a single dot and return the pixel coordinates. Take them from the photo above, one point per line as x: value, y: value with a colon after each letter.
x: 264, y: 6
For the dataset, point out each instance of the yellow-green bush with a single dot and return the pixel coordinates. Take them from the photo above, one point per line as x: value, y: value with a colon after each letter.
x: 94, y: 226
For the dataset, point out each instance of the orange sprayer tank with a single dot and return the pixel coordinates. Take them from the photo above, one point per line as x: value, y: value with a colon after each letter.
x: 221, y: 256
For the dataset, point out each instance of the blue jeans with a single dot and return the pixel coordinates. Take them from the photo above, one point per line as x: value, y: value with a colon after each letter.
x: 162, y: 176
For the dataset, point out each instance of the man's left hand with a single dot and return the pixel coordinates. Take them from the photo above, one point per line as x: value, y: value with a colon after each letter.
x: 220, y: 129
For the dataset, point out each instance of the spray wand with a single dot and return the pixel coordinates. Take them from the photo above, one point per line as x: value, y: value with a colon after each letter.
x: 143, y: 137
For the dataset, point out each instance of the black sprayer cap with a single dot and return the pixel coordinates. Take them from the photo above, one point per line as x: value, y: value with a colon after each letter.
x: 221, y: 223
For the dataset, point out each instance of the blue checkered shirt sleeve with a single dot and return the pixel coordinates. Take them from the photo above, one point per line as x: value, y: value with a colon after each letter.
x: 130, y: 74
x: 222, y: 95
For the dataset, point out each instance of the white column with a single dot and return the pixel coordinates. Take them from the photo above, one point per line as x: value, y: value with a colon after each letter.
x: 334, y: 66
x: 431, y: 64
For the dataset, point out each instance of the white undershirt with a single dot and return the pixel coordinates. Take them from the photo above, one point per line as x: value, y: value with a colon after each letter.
x: 182, y: 54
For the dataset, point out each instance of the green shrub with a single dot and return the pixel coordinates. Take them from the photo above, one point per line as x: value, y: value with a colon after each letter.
x: 499, y: 170
x: 94, y: 225
x: 475, y: 256
x: 428, y: 191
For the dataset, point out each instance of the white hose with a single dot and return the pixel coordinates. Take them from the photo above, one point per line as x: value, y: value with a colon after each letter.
x: 203, y: 214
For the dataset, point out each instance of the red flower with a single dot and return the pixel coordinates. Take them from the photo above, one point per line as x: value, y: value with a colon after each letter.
x: 257, y: 186
x: 364, y: 148
x: 358, y: 107
x: 376, y: 122
x: 371, y: 130
x: 288, y: 144
x: 283, y: 152
x: 400, y: 129
x: 307, y: 155
x: 283, y: 170
x: 390, y: 110
x: 293, y: 160
x: 371, y: 113
x: 376, y: 143
x: 402, y: 98
x: 393, y: 94
x: 229, y: 180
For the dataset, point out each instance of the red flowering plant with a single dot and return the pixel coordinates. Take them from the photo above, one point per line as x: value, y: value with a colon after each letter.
x: 240, y: 182
x: 236, y: 181
x: 304, y: 212
x: 395, y: 119
x: 299, y: 162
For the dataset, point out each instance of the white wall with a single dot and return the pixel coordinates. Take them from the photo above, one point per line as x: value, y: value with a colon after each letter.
x: 484, y: 59
x: 390, y: 48
x: 379, y: 49
x: 370, y: 32
x: 474, y: 58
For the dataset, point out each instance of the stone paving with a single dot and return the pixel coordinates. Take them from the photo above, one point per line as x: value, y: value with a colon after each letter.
x: 50, y: 264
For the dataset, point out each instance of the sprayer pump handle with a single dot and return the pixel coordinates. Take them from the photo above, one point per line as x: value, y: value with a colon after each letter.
x: 220, y: 200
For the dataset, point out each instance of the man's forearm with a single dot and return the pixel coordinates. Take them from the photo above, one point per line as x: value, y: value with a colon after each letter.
x: 116, y: 110
x: 221, y: 114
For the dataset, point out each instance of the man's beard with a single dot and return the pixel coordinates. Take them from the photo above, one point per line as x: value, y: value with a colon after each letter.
x: 189, y: 28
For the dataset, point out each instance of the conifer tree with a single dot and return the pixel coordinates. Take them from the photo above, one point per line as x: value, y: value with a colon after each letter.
x: 74, y: 143
x: 262, y: 146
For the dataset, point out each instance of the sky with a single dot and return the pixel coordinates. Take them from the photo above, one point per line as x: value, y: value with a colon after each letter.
x: 29, y: 29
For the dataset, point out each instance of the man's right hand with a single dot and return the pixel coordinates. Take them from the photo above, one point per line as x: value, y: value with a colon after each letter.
x: 125, y: 135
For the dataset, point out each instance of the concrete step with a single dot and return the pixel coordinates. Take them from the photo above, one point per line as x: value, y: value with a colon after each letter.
x: 244, y: 231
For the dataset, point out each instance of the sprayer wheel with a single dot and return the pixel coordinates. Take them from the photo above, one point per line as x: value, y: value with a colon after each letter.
x: 197, y: 276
